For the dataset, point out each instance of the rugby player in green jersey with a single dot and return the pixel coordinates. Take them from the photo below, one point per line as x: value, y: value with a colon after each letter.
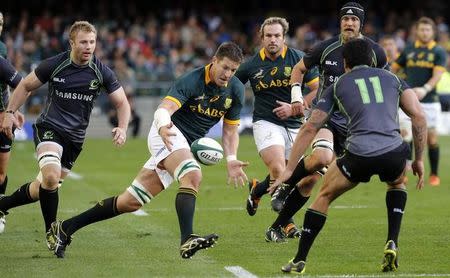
x: 424, y: 63
x: 274, y: 125
x: 194, y: 104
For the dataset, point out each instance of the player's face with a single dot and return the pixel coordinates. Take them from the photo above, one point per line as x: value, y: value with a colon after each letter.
x: 390, y: 47
x: 222, y: 70
x: 350, y: 26
x: 273, y: 39
x: 83, y: 46
x: 425, y: 33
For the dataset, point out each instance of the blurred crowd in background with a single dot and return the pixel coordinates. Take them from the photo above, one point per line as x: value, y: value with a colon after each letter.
x: 150, y: 46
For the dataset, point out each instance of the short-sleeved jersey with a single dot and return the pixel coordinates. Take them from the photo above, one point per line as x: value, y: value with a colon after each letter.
x: 8, y: 76
x: 369, y: 100
x: 270, y: 82
x: 202, y: 103
x: 418, y: 61
x: 72, y: 92
x: 327, y: 55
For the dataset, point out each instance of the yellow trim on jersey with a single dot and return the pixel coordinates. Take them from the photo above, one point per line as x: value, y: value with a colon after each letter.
x: 438, y: 67
x: 231, y: 122
x: 313, y: 81
x: 262, y: 53
x: 395, y: 66
x: 428, y: 45
x: 207, y: 77
x: 177, y: 102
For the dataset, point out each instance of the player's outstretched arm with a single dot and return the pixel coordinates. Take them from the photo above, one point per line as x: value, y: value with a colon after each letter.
x: 163, y: 122
x: 230, y: 142
x: 120, y: 102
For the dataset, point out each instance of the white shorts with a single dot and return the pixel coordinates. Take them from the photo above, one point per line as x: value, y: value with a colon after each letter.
x: 159, y: 152
x: 405, y: 125
x: 267, y: 134
x: 432, y: 113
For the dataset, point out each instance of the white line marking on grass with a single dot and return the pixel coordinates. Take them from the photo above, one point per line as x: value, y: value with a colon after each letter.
x: 140, y: 212
x: 75, y: 176
x: 240, y: 272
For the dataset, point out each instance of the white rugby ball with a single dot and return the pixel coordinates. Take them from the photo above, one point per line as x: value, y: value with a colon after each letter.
x: 207, y: 151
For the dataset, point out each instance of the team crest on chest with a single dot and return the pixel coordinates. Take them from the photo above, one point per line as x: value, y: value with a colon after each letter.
x: 227, y: 103
x: 430, y: 57
x: 94, y: 84
x: 287, y: 71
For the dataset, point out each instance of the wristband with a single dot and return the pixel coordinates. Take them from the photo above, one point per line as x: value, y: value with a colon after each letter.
x: 161, y: 118
x: 296, y: 93
x: 427, y: 87
x: 231, y: 157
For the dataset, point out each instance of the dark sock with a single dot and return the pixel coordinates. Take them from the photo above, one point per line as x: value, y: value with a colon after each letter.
x: 312, y: 224
x: 185, y: 206
x: 299, y: 173
x: 3, y: 185
x: 395, y: 204
x: 433, y: 154
x: 261, y: 188
x: 49, y: 205
x: 101, y: 211
x: 293, y: 203
x: 19, y: 198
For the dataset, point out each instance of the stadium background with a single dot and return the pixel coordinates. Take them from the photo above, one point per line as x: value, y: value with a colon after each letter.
x: 148, y: 45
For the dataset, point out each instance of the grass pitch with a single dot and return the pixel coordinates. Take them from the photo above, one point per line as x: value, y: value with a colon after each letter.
x: 351, y: 242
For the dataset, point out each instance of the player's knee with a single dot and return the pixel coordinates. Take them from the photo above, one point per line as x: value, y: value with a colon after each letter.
x: 140, y: 196
x: 193, y: 179
x: 50, y: 179
x: 319, y: 159
x: 189, y: 168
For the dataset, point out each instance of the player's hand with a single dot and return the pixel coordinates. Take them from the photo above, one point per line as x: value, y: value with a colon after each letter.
x: 280, y: 180
x: 9, y: 119
x: 420, y: 92
x: 236, y: 173
x: 165, y: 134
x: 418, y: 170
x: 298, y: 108
x: 119, y: 136
x: 283, y: 111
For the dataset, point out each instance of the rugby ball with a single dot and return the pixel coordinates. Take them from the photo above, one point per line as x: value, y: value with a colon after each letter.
x: 207, y: 151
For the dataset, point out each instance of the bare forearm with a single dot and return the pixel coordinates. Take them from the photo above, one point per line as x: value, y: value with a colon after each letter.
x: 123, y: 115
x: 297, y: 73
x: 18, y: 97
x: 230, y: 142
x: 419, y: 129
x: 301, y: 143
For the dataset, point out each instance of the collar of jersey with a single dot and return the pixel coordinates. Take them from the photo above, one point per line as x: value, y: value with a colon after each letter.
x: 428, y: 45
x: 262, y: 53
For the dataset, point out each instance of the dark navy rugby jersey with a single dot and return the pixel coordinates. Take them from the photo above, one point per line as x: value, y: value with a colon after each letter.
x: 72, y: 92
x: 327, y: 55
x: 369, y: 100
x: 8, y: 76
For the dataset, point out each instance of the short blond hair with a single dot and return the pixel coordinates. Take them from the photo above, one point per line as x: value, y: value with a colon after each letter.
x: 81, y: 26
x: 275, y: 20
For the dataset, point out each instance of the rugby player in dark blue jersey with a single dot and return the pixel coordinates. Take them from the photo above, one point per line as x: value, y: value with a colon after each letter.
x: 75, y: 78
x: 327, y: 55
x: 194, y: 104
x: 8, y: 77
x: 368, y: 98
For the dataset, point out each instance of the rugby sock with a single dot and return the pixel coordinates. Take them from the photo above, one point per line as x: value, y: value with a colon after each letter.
x: 101, y: 211
x: 312, y: 224
x: 433, y: 154
x: 299, y: 173
x: 185, y: 206
x: 49, y: 205
x: 3, y: 185
x: 261, y: 188
x: 395, y: 204
x: 19, y: 198
x: 293, y: 203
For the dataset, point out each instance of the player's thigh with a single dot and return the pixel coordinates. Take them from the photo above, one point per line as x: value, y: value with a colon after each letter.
x: 150, y: 181
x: 267, y: 134
x: 273, y: 157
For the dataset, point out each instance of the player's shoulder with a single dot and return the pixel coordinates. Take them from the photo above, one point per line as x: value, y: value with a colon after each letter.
x: 335, y: 40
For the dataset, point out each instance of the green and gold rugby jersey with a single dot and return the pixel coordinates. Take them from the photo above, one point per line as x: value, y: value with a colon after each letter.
x: 3, y: 50
x: 202, y: 103
x: 418, y: 61
x: 270, y: 82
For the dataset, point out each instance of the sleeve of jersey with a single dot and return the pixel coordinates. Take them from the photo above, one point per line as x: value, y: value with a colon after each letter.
x: 8, y: 73
x: 233, y: 115
x: 44, y: 70
x: 441, y: 60
x: 326, y: 101
x: 178, y: 93
x: 110, y: 81
x: 311, y: 76
x: 403, y: 85
x: 400, y: 61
